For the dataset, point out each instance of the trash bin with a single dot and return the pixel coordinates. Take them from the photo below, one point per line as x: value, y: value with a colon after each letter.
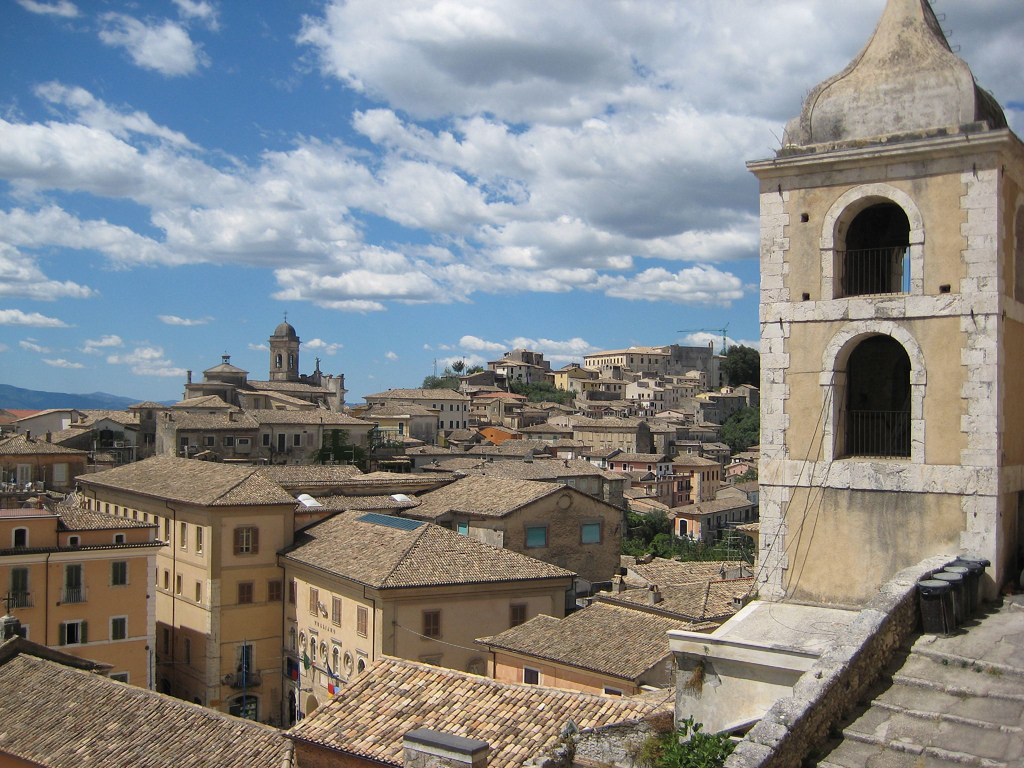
x: 971, y: 580
x: 936, y: 607
x: 959, y: 592
x: 981, y: 562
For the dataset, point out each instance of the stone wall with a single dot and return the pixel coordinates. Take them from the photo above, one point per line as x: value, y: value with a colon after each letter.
x: 795, y: 726
x: 611, y: 746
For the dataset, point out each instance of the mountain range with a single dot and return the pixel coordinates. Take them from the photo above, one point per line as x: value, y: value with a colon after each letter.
x: 16, y: 397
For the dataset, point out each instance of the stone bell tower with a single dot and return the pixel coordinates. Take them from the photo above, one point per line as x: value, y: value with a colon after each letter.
x: 284, y: 353
x: 892, y: 323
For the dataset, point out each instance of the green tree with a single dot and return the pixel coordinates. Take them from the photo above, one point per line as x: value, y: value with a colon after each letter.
x: 474, y: 369
x: 459, y: 366
x: 336, y: 448
x: 439, y: 382
x: 538, y: 392
x: 742, y: 429
x: 742, y: 365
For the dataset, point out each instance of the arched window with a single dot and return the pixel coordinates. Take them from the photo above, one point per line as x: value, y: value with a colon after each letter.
x: 291, y: 361
x: 878, y: 398
x: 277, y: 361
x: 876, y: 258
x: 291, y: 639
x: 336, y: 661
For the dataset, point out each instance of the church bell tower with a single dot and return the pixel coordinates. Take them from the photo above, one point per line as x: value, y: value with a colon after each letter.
x: 892, y: 323
x: 284, y: 353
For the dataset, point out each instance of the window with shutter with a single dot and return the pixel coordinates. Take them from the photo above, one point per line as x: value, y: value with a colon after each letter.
x: 314, y: 600
x: 361, y: 616
x: 247, y: 540
x: 336, y: 611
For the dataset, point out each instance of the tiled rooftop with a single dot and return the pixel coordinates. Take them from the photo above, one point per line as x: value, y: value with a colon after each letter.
x: 371, y: 714
x: 204, y: 401
x: 61, y: 717
x: 316, y: 416
x: 286, y: 386
x: 511, y: 448
x: 671, y: 572
x: 214, y: 422
x: 489, y: 496
x: 699, y: 602
x: 193, y: 482
x: 310, y: 474
x: 80, y: 519
x: 19, y: 445
x: 547, y: 469
x: 397, y: 409
x: 418, y: 394
x: 610, y: 639
x: 383, y: 557
x: 342, y: 503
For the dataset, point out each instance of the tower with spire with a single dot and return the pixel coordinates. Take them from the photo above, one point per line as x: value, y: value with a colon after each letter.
x: 892, y: 323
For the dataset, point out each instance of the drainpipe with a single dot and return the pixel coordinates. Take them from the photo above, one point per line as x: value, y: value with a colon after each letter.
x: 46, y: 600
x: 174, y: 581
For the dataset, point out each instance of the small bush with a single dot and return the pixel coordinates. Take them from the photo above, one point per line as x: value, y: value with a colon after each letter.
x: 687, y: 747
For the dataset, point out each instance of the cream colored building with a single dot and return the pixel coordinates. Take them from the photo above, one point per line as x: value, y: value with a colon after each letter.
x: 892, y: 316
x: 362, y: 585
x: 219, y: 588
x: 80, y: 581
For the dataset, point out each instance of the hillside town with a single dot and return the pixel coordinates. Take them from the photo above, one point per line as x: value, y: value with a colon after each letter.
x: 809, y: 555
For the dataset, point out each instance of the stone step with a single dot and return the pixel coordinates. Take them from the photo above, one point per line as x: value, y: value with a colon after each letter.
x: 860, y: 754
x: 957, y: 704
x: 963, y: 677
x: 917, y: 751
x: 948, y: 717
x: 947, y: 658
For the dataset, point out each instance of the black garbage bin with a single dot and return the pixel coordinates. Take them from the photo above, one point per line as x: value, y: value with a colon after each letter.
x: 936, y: 607
x: 957, y: 588
x: 970, y: 587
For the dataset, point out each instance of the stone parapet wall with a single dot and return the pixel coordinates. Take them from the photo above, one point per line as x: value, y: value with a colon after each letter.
x: 795, y: 726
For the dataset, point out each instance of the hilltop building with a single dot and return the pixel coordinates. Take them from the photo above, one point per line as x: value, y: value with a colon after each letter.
x: 285, y: 387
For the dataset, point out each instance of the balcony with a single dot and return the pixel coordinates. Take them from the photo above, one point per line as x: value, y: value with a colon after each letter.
x: 238, y: 680
x: 881, y: 434
x: 21, y: 599
x: 73, y: 595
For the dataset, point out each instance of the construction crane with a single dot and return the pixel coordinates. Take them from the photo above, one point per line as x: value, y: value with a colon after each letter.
x: 722, y: 331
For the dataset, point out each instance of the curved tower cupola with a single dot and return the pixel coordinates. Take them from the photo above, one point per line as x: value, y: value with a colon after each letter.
x: 284, y: 353
x: 905, y: 81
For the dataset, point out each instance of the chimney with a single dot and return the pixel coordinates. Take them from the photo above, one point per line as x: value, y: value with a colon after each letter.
x: 424, y: 748
x: 653, y: 594
x: 188, y: 377
x: 10, y: 627
x: 49, y: 436
x: 618, y: 585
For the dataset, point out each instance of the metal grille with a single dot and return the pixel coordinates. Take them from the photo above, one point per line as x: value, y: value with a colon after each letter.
x: 73, y: 595
x: 876, y: 270
x: 885, y: 434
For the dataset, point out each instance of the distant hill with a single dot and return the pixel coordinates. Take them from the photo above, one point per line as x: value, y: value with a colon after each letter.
x: 16, y: 397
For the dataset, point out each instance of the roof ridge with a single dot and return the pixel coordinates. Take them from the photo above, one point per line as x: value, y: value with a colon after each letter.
x: 401, y: 559
x: 256, y: 469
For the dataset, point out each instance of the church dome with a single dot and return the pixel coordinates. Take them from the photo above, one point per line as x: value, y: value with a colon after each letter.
x: 906, y: 80
x: 285, y: 330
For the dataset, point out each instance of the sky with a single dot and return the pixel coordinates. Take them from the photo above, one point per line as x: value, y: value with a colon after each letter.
x: 413, y: 182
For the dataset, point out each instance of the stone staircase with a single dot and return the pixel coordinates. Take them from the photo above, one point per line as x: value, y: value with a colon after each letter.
x: 947, y: 702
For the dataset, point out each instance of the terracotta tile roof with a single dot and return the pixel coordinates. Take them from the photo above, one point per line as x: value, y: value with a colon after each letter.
x: 397, y: 409
x: 121, y: 417
x: 582, y: 422
x: 59, y: 716
x: 649, y: 458
x: 673, y: 572
x: 748, y: 487
x: 389, y: 552
x: 486, y: 496
x: 214, y: 422
x: 147, y: 404
x: 462, y: 463
x: 716, y: 506
x: 317, y: 416
x: 371, y: 714
x: 365, y: 502
x: 462, y: 434
x: 546, y: 428
x: 698, y: 602
x: 204, y: 401
x: 511, y: 448
x: 193, y: 482
x: 693, y: 460
x: 286, y: 386
x: 610, y: 639
x: 286, y: 475
x: 19, y: 445
x: 80, y: 519
x: 418, y: 394
x: 30, y: 414
x: 431, y: 450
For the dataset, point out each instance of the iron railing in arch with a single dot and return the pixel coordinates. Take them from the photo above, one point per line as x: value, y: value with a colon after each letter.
x: 868, y: 271
x: 883, y: 434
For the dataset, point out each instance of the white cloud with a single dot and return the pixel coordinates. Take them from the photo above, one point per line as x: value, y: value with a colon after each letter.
x: 199, y: 9
x: 107, y: 341
x: 321, y: 345
x: 164, y: 47
x: 175, y: 320
x: 470, y: 360
x: 699, y: 285
x: 555, y: 351
x: 147, y: 361
x: 63, y: 8
x: 31, y: 346
x: 4, y: 347
x: 702, y: 338
x: 476, y: 343
x: 428, y: 347
x: 259, y: 347
x: 17, y: 317
x: 60, y: 362
x: 390, y: 355
x: 21, y: 278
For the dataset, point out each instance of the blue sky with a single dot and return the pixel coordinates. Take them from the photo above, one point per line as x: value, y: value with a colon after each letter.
x: 410, y: 181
